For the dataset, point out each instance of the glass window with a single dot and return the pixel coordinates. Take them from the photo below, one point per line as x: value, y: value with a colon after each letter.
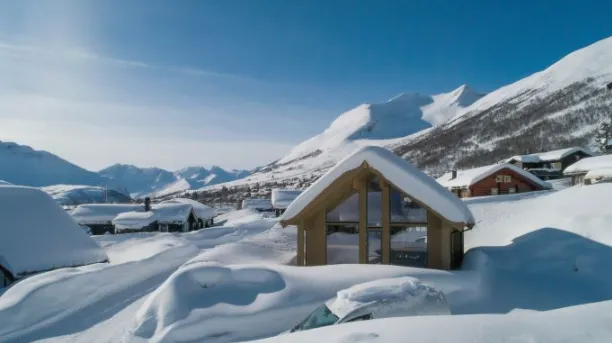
x: 342, y: 243
x: 499, y: 178
x: 347, y: 211
x: 320, y: 317
x: 360, y: 318
x: 507, y: 178
x: 408, y: 246
x: 494, y: 191
x: 404, y: 210
x: 374, y: 203
x: 374, y: 246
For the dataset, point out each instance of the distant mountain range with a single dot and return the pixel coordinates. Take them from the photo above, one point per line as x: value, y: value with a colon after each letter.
x: 22, y: 165
x: 558, y: 107
x: 157, y: 182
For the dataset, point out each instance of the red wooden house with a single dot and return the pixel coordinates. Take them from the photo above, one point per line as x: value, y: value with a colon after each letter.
x: 491, y: 180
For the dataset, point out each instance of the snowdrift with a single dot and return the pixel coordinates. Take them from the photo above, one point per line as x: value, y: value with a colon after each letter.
x: 37, y: 235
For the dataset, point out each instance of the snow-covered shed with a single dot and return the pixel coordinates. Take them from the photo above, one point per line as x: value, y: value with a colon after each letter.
x: 553, y: 160
x: 375, y: 207
x: 167, y: 216
x: 597, y: 167
x: 99, y: 217
x: 37, y: 235
x: 494, y: 179
x: 257, y: 204
x: 206, y: 214
x: 282, y: 198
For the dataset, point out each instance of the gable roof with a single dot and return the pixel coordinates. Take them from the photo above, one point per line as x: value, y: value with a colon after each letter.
x: 36, y: 234
x: 167, y: 212
x: 403, y: 175
x: 257, y: 204
x: 588, y: 164
x: 547, y: 156
x: 468, y: 177
x: 102, y: 213
x: 203, y: 211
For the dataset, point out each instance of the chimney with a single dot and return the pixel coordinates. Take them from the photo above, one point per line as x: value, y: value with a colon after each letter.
x: 453, y: 174
x: 147, y: 204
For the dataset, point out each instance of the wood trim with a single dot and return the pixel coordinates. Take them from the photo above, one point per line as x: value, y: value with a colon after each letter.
x: 386, y: 229
x: 300, y: 244
x: 363, y: 224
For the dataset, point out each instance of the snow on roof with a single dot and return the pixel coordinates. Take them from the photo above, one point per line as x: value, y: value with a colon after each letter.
x: 398, y: 171
x: 588, y: 164
x: 547, y: 156
x: 4, y: 183
x: 166, y: 212
x: 257, y: 204
x: 134, y: 220
x: 281, y: 198
x: 36, y: 234
x: 604, y: 173
x: 394, y: 289
x: 102, y: 213
x: 468, y: 177
x: 202, y: 211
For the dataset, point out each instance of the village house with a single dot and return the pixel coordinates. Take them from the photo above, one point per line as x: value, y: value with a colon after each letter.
x: 164, y: 217
x: 491, y: 180
x: 259, y: 204
x: 590, y: 170
x: 205, y: 214
x: 98, y: 218
x: 37, y: 235
x: 374, y: 207
x: 282, y: 198
x: 550, y: 164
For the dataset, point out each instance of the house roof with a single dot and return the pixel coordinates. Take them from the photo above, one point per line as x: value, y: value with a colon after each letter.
x: 4, y: 183
x: 36, y: 234
x: 102, y: 213
x: 166, y: 212
x: 547, y: 156
x: 468, y: 177
x: 257, y: 204
x: 281, y: 198
x: 403, y: 175
x: 588, y: 164
x: 201, y: 210
x: 605, y: 173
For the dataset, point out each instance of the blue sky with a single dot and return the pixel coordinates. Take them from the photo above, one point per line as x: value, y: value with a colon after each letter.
x: 237, y: 83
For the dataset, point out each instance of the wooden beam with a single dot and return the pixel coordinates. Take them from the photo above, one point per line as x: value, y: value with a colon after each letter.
x: 386, y: 227
x: 363, y: 224
x: 300, y: 244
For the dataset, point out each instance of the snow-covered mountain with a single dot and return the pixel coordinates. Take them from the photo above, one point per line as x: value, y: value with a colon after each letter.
x: 554, y: 108
x: 157, y: 182
x: 22, y: 165
x: 70, y: 195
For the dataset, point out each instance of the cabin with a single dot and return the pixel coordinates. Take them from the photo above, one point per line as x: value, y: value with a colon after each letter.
x: 374, y: 207
x: 261, y: 205
x: 205, y: 214
x: 491, y: 180
x: 282, y: 198
x: 99, y: 217
x: 167, y: 216
x: 554, y: 162
x: 50, y: 239
x: 590, y: 170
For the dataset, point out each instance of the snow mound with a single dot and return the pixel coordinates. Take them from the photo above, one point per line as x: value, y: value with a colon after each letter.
x: 4, y: 183
x: 50, y: 239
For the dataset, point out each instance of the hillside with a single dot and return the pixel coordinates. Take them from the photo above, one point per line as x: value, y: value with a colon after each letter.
x: 22, y: 165
x: 70, y: 195
x: 558, y: 107
x: 154, y: 182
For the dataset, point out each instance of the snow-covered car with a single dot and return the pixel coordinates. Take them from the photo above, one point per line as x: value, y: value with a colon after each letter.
x: 396, y: 297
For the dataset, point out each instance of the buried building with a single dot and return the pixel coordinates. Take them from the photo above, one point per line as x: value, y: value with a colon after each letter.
x: 37, y: 235
x: 375, y: 207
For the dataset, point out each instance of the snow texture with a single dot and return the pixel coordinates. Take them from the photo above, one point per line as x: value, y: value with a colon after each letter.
x: 398, y: 171
x: 468, y: 177
x: 282, y: 198
x: 102, y: 213
x: 202, y: 211
x: 70, y: 195
x: 588, y: 164
x: 167, y: 212
x: 134, y: 220
x: 36, y: 234
x: 599, y: 174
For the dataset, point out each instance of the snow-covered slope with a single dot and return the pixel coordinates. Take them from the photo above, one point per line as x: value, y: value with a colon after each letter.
x: 22, y: 165
x: 159, y: 182
x: 68, y: 195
